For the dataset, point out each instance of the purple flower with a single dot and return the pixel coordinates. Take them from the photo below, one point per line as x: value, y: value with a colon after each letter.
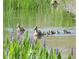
x: 19, y: 34
x: 44, y: 44
x: 6, y: 51
x: 57, y: 51
x: 18, y: 37
x: 11, y: 36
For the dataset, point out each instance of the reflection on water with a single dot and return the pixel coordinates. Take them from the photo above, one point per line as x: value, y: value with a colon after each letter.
x: 31, y: 30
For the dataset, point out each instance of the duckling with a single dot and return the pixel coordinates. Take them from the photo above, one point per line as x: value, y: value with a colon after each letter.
x: 58, y: 32
x: 44, y: 33
x: 66, y: 32
x: 52, y: 32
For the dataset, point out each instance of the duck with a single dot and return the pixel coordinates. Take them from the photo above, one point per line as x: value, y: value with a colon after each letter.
x: 37, y: 33
x: 20, y: 29
x: 54, y: 3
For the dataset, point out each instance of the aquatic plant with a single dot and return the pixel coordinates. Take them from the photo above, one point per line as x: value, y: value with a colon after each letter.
x: 26, y: 50
x: 57, y: 51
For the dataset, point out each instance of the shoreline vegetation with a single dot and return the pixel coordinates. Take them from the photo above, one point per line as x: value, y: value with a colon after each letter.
x: 27, y: 50
x: 41, y: 13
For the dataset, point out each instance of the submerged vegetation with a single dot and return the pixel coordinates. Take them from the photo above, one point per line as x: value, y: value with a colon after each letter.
x: 27, y: 50
x: 37, y: 12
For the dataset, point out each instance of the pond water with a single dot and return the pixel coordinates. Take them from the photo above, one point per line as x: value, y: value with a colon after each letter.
x: 31, y: 30
x: 64, y: 42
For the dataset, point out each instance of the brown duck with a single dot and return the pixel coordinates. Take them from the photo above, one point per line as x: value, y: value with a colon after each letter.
x: 54, y: 4
x: 20, y: 29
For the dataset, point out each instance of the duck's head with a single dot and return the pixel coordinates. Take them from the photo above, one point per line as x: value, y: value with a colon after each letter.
x: 18, y: 25
x: 54, y: 3
x: 36, y: 28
